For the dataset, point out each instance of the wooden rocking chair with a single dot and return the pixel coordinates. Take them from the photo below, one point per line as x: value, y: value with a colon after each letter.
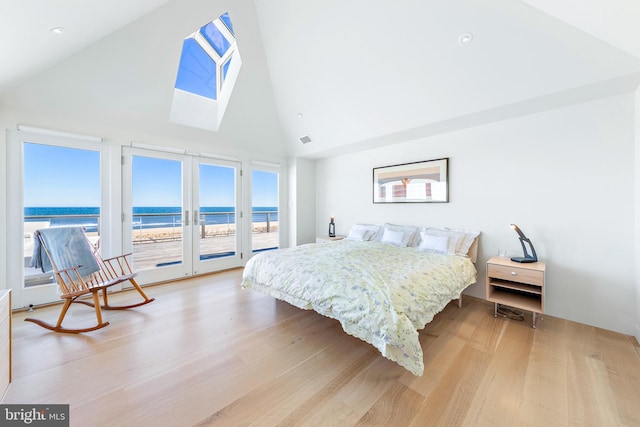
x: 79, y: 271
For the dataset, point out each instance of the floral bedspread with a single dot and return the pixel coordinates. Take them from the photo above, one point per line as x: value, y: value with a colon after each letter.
x: 378, y: 292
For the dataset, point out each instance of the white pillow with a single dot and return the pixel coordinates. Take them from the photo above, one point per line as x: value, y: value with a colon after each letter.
x: 394, y: 237
x: 410, y: 233
x: 465, y: 243
x: 431, y: 243
x: 454, y: 237
x: 373, y: 231
x: 359, y: 234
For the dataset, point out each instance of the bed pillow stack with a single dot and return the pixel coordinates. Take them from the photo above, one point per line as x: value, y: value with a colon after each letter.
x: 449, y: 241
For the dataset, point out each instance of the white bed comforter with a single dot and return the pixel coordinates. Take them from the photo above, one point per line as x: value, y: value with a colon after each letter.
x: 378, y: 292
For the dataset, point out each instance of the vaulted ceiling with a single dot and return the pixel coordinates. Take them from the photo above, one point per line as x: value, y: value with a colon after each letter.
x: 349, y: 75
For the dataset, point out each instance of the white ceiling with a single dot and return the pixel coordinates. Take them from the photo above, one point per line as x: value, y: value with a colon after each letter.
x: 366, y: 74
x: 28, y: 46
x: 362, y: 73
x: 613, y: 21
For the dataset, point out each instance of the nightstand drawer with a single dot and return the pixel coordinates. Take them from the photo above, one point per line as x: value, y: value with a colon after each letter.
x: 516, y: 274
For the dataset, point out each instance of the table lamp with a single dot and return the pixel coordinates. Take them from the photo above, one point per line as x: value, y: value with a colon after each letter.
x: 523, y: 239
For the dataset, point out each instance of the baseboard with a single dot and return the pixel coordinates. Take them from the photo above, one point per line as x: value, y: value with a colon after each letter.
x: 638, y: 332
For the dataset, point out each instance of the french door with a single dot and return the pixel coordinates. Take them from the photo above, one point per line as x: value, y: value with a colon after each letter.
x: 180, y: 214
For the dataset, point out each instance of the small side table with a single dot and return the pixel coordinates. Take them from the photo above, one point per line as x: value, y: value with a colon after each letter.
x: 515, y: 284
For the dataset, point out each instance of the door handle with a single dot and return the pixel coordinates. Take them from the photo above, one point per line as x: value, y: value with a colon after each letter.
x: 186, y: 217
x: 195, y: 217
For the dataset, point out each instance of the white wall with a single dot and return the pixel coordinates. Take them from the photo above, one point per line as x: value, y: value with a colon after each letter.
x: 302, y: 201
x: 637, y: 212
x: 566, y: 177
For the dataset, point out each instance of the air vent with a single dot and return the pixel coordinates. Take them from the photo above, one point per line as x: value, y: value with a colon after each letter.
x: 305, y: 139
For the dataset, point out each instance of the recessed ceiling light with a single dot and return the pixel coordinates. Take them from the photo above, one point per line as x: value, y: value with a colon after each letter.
x: 465, y: 39
x: 57, y: 30
x: 300, y: 115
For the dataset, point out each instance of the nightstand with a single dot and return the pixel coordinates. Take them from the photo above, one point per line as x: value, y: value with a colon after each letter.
x: 324, y: 239
x: 515, y: 284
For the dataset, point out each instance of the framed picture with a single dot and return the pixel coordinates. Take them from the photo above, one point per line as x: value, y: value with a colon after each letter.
x: 419, y: 182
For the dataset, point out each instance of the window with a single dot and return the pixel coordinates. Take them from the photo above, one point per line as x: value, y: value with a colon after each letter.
x: 61, y: 188
x: 208, y: 69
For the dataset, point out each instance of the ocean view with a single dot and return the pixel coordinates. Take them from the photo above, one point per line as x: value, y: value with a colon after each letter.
x: 143, y: 217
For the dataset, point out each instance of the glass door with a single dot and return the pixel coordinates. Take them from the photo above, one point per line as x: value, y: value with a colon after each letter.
x: 156, y: 213
x: 216, y: 224
x: 180, y: 214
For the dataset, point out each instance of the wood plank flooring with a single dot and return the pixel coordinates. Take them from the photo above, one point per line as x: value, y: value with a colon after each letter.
x: 208, y: 353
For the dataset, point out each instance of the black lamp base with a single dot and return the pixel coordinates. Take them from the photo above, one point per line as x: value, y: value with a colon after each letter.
x: 523, y: 259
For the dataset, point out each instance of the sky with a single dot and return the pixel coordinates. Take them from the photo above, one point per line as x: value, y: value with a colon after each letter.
x: 58, y: 176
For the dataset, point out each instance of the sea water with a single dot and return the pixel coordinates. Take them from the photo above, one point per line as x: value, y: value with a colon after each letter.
x: 143, y: 217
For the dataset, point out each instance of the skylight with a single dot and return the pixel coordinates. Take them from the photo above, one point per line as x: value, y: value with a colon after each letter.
x: 208, y: 69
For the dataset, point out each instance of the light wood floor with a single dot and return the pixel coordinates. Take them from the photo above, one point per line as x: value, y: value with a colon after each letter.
x: 209, y: 353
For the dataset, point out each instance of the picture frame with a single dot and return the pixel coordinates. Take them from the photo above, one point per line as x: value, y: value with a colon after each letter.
x: 419, y: 182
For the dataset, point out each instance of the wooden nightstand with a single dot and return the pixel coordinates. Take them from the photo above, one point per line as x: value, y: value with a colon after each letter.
x: 518, y: 285
x: 324, y: 239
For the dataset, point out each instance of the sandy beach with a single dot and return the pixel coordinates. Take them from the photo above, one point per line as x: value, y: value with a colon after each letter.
x: 165, y: 234
x: 151, y: 235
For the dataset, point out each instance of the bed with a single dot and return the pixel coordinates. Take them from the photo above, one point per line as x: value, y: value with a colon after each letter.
x: 383, y: 283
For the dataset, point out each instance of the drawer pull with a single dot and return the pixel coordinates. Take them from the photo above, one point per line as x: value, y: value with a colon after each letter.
x: 513, y: 273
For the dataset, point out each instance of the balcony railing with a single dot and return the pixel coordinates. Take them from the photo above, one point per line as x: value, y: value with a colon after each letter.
x: 262, y: 222
x: 216, y: 231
